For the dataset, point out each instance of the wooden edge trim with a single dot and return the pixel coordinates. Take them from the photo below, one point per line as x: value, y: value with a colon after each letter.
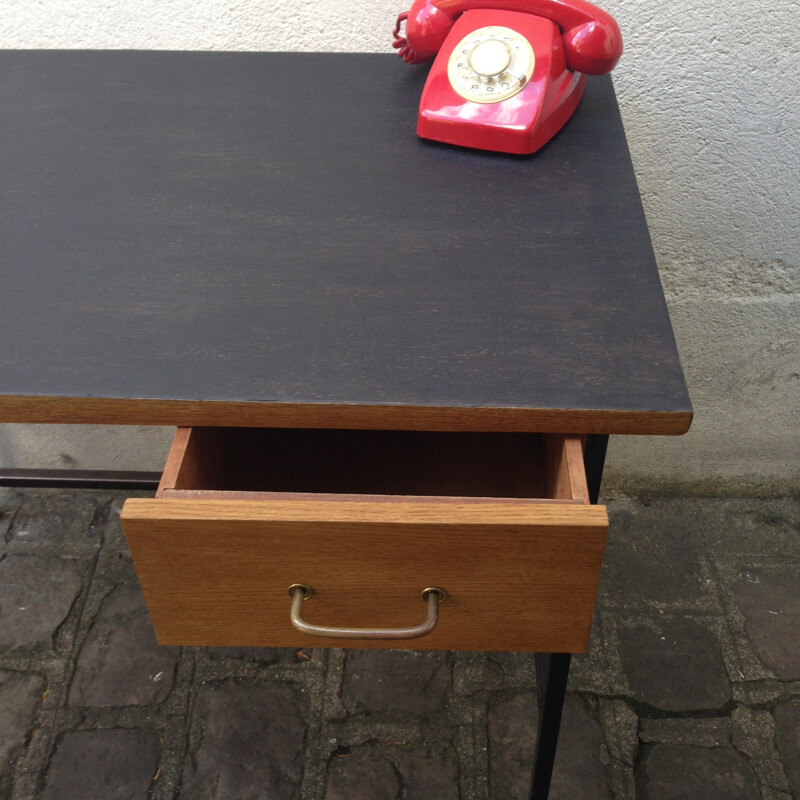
x: 135, y: 411
x: 360, y: 513
x: 322, y: 497
x: 566, y: 472
x: 177, y: 453
x: 573, y: 456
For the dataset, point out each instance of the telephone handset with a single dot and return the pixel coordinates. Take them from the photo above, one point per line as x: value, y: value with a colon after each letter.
x: 508, y: 74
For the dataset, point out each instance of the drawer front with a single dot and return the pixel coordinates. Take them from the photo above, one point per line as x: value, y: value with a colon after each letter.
x: 519, y: 575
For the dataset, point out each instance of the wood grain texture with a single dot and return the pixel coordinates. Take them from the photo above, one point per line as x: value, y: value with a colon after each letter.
x: 565, y: 470
x: 226, y: 239
x: 359, y: 462
x: 215, y: 561
x: 288, y: 464
x: 143, y: 411
x: 354, y: 462
x: 227, y: 494
x: 217, y: 572
x: 179, y: 470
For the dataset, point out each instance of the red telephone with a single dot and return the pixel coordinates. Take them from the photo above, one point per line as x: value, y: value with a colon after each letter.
x: 508, y: 73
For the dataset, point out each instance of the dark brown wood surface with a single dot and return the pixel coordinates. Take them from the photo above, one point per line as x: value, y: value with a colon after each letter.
x: 262, y: 239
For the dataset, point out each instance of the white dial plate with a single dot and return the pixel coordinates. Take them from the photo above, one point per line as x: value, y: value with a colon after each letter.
x: 490, y: 64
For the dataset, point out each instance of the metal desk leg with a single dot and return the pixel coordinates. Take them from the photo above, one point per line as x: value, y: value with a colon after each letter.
x: 552, y: 669
x: 594, y: 457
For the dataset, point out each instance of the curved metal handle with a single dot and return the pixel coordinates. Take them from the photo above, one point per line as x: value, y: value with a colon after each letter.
x: 432, y: 596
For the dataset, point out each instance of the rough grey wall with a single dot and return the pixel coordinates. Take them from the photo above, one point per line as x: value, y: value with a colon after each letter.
x: 710, y: 100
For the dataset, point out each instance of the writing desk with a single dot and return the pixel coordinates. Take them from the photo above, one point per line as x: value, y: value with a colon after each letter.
x: 429, y: 340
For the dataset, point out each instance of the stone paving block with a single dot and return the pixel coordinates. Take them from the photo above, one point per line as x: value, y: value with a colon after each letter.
x: 621, y: 725
x: 10, y: 501
x: 264, y: 655
x: 787, y: 722
x: 653, y: 556
x: 761, y: 528
x: 120, y: 662
x: 247, y: 743
x: 36, y: 595
x: 675, y: 664
x: 676, y: 772
x: 377, y: 772
x: 399, y: 680
x: 427, y: 773
x: 380, y: 707
x: 113, y: 535
x: 364, y: 774
x: 62, y: 523
x: 769, y: 599
x: 103, y: 764
x: 580, y: 769
x: 597, y: 671
x: 706, y: 732
x: 754, y: 735
x: 512, y: 730
x: 20, y: 694
x: 480, y: 672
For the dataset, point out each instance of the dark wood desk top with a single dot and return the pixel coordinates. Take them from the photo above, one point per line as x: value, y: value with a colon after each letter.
x: 261, y: 239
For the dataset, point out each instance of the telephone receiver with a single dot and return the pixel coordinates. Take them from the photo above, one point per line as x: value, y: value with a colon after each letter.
x: 508, y: 74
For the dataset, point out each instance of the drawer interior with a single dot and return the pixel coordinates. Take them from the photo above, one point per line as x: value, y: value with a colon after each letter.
x: 220, y: 461
x: 369, y: 519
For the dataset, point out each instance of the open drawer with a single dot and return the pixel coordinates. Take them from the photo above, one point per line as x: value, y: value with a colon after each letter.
x: 369, y: 520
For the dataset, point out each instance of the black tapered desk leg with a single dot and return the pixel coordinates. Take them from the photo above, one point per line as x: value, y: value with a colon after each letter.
x: 594, y: 457
x: 552, y: 669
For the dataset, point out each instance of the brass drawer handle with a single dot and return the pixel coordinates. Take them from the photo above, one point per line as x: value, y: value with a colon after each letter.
x: 432, y: 596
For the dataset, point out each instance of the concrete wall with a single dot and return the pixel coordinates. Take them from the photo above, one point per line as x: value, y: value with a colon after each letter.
x: 709, y: 96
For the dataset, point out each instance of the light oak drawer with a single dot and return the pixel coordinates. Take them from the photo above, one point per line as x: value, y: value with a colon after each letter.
x: 369, y: 519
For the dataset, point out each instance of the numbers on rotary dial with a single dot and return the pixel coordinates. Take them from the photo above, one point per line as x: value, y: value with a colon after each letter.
x: 490, y: 64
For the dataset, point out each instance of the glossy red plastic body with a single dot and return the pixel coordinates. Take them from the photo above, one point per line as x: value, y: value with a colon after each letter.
x: 591, y: 37
x: 520, y: 124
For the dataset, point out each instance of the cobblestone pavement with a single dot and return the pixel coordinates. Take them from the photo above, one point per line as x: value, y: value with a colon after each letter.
x: 690, y: 688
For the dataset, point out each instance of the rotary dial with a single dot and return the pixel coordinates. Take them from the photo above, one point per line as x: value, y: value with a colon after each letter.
x: 490, y: 64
